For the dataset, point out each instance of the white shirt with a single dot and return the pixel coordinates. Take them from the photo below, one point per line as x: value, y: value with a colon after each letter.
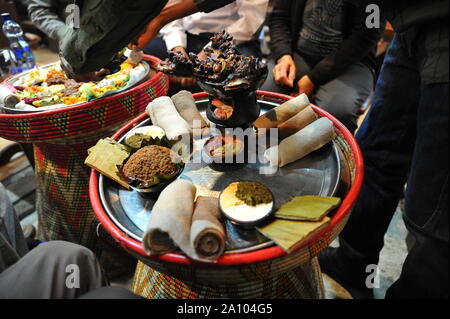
x: 242, y: 19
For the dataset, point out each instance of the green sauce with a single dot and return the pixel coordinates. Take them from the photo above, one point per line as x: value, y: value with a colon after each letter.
x: 253, y: 194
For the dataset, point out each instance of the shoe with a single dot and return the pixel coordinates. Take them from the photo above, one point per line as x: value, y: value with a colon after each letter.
x: 332, y: 264
x: 8, y: 152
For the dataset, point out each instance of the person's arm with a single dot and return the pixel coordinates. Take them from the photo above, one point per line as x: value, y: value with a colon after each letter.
x: 281, y: 38
x: 174, y: 34
x: 252, y: 14
x: 353, y: 49
x: 43, y: 13
x: 177, y: 11
x: 108, y: 26
x: 211, y: 5
x: 285, y: 70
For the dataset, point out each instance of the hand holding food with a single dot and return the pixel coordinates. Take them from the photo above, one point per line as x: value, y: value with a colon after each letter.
x: 224, y: 65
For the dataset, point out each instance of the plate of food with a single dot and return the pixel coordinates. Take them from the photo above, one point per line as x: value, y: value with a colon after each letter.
x: 48, y: 88
x: 316, y: 174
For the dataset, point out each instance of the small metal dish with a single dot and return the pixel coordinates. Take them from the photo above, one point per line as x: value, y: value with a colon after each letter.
x: 155, y: 190
x: 247, y: 224
x: 161, y: 141
x: 226, y: 160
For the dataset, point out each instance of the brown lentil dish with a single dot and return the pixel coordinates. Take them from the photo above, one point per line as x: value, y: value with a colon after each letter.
x: 150, y: 161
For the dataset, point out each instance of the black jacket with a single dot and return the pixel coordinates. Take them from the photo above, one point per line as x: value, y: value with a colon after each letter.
x: 359, y: 42
x: 405, y: 14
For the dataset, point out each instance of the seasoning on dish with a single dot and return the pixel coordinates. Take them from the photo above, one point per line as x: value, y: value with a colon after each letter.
x: 222, y: 146
x: 144, y: 136
x: 151, y: 164
x: 246, y: 203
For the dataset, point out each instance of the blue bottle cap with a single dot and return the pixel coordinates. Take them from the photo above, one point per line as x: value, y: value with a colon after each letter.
x: 6, y: 16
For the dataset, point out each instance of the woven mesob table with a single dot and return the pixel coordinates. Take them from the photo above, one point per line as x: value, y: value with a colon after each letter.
x: 61, y: 139
x: 265, y: 273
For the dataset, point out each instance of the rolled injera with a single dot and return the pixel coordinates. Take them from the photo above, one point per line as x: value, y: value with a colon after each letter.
x: 170, y: 222
x: 163, y: 113
x: 282, y: 113
x: 208, y: 235
x: 297, y: 123
x: 304, y: 142
x: 185, y: 104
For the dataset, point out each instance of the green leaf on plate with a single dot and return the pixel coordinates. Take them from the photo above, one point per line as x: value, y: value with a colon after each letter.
x: 308, y: 208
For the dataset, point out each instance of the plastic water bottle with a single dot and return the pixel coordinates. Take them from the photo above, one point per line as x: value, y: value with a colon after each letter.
x: 18, y: 45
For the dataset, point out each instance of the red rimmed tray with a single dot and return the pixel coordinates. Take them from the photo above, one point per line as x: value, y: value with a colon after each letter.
x: 61, y: 139
x: 310, y: 249
x: 86, y: 118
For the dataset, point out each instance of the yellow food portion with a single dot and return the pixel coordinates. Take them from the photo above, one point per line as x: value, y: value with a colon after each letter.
x: 228, y: 198
x: 69, y: 100
x: 56, y: 88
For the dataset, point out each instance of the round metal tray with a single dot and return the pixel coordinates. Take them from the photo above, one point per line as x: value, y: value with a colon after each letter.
x: 15, y: 78
x: 317, y: 174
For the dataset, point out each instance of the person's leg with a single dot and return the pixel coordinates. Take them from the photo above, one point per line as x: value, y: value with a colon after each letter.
x: 387, y: 139
x: 157, y: 47
x: 13, y: 245
x: 343, y: 96
x: 425, y: 271
x: 54, y: 270
x: 303, y: 68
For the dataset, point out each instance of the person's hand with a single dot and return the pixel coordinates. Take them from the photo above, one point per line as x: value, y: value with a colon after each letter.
x: 182, y: 50
x: 285, y: 70
x: 305, y: 86
x: 89, y: 77
x: 86, y: 77
x: 202, y: 55
x: 183, y: 82
x: 170, y: 13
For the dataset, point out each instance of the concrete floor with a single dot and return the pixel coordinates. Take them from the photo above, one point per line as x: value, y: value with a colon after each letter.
x: 392, y: 256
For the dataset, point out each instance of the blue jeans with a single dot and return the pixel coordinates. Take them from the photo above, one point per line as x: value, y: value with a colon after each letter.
x: 404, y: 139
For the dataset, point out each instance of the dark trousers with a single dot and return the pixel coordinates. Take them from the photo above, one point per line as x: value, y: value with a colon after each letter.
x: 404, y: 139
x: 196, y: 43
x: 342, y: 96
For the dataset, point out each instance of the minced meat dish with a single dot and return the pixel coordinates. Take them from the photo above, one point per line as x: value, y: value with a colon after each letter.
x: 150, y: 161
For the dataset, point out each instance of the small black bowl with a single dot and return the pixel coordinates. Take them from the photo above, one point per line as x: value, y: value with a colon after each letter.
x: 224, y: 162
x: 242, y: 98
